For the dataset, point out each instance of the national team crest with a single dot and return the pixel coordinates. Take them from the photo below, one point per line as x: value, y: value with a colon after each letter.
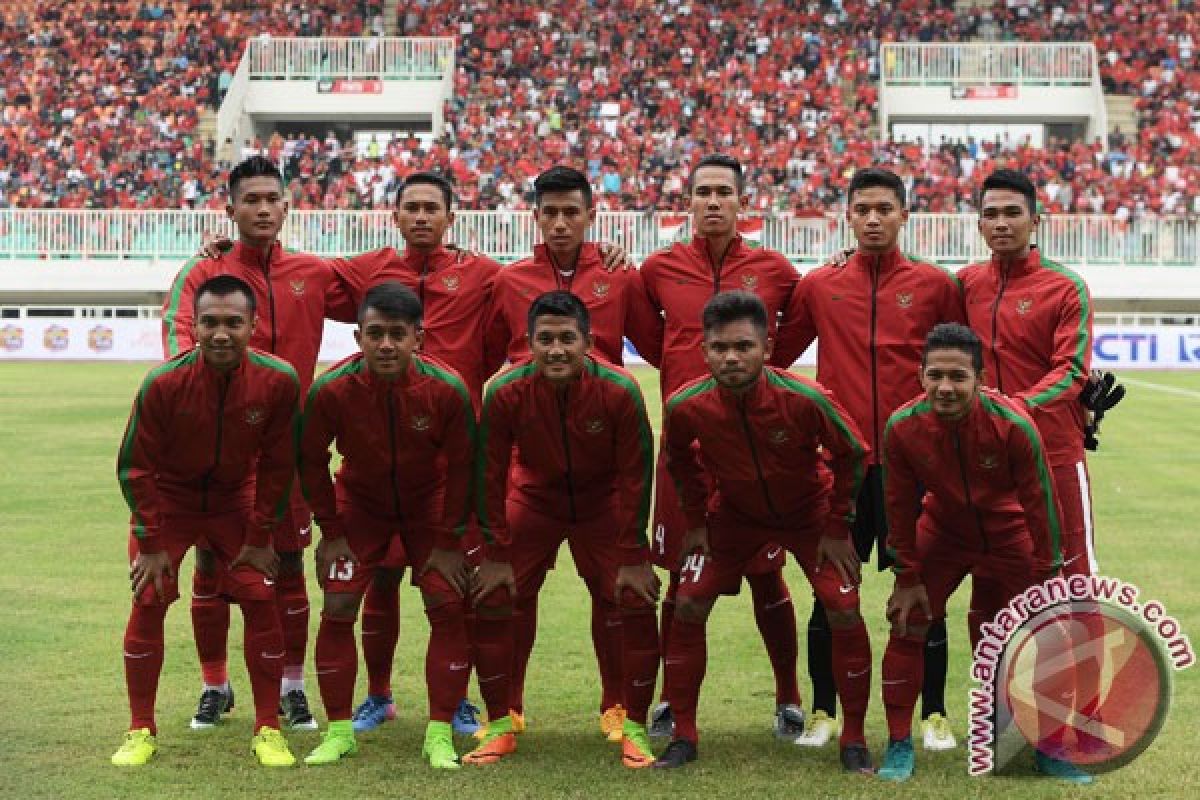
x: 297, y: 287
x: 600, y: 288
x: 778, y: 436
x: 421, y: 422
x: 749, y: 282
x: 1024, y: 305
x: 904, y: 299
x: 989, y: 461
x: 451, y: 282
x: 594, y: 425
x: 254, y: 416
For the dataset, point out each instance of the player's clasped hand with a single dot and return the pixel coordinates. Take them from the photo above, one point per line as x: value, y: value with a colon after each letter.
x: 490, y: 576
x: 452, y: 566
x: 840, y: 553
x: 901, y: 604
x: 641, y: 580
x: 330, y: 552
x: 259, y: 559
x: 214, y: 245
x: 694, y: 541
x: 147, y: 569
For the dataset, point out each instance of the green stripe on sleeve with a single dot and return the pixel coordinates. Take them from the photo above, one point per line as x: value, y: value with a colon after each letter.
x: 1082, y: 340
x: 172, y: 311
x: 688, y: 392
x: 460, y: 388
x: 645, y: 444
x: 899, y: 416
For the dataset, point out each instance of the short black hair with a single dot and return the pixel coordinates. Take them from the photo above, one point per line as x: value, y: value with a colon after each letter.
x: 395, y: 301
x: 428, y: 179
x: 256, y: 166
x: 1014, y: 181
x: 723, y: 161
x: 872, y: 177
x: 223, y: 286
x: 727, y: 307
x: 952, y: 336
x: 562, y: 179
x: 559, y: 303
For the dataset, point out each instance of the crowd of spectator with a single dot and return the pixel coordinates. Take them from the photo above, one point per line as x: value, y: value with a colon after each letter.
x: 100, y: 101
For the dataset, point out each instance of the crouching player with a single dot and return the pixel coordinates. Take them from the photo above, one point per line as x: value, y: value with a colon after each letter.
x: 578, y: 439
x: 405, y: 428
x: 768, y: 443
x: 209, y: 454
x: 989, y: 512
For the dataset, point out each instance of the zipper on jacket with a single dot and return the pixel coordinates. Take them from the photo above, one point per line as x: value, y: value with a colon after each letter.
x: 225, y: 381
x: 754, y: 457
x: 421, y: 280
x: 562, y: 426
x: 714, y: 267
x: 266, y: 268
x: 962, y: 468
x: 874, y: 358
x: 995, y: 328
x: 392, y: 443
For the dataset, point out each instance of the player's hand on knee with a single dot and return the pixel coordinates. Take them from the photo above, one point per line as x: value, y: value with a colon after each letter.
x: 329, y: 553
x: 903, y: 601
x: 150, y: 569
x: 694, y: 541
x: 843, y: 556
x: 640, y: 579
x: 490, y: 576
x: 452, y: 566
x: 259, y: 559
x: 214, y: 245
x: 615, y: 256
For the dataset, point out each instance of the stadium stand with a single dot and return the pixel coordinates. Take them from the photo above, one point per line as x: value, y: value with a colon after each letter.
x: 103, y: 101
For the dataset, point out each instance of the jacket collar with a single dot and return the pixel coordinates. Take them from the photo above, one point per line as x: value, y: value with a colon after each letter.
x: 736, y: 248
x: 439, y: 257
x: 589, y: 257
x: 251, y: 258
x: 867, y: 262
x: 1031, y: 263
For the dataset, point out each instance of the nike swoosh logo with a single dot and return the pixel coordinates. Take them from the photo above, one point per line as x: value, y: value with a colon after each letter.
x: 292, y: 611
x: 474, y: 550
x: 938, y: 643
x: 268, y: 582
x: 272, y: 655
x: 326, y: 671
x: 612, y: 623
x: 777, y: 604
x: 458, y: 667
x: 205, y: 596
x: 491, y: 678
x: 643, y: 683
x: 858, y: 674
x: 845, y: 589
x: 893, y: 683
x: 774, y: 552
x: 305, y: 531
x: 1070, y: 561
x: 137, y: 655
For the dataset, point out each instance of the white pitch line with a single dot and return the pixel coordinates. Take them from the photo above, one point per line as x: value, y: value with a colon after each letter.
x: 1161, y: 388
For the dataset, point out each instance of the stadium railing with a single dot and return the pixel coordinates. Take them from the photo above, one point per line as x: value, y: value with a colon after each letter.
x: 961, y: 64
x: 380, y: 58
x: 950, y: 239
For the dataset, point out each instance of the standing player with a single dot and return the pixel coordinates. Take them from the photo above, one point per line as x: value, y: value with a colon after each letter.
x: 870, y: 315
x: 617, y: 308
x: 566, y: 454
x: 405, y: 427
x: 294, y: 292
x: 989, y: 511
x: 760, y: 455
x: 679, y: 281
x: 209, y: 454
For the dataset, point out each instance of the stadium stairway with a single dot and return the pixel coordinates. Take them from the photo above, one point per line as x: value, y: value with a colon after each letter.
x: 391, y: 18
x: 206, y: 129
x: 1121, y: 113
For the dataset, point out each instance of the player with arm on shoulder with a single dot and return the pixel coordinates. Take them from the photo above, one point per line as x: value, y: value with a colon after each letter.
x: 870, y: 314
x: 208, y: 454
x: 679, y: 281
x: 989, y: 511
x: 760, y: 455
x: 566, y: 454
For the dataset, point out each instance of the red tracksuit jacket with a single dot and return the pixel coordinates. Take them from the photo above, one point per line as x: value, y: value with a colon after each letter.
x: 1035, y: 320
x: 615, y: 300
x: 871, y: 317
x: 407, y: 447
x: 295, y: 292
x: 986, y: 480
x: 456, y: 296
x: 682, y: 278
x: 768, y: 453
x: 579, y: 453
x: 199, y: 440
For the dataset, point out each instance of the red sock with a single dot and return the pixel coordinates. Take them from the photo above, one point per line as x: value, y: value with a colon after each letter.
x: 447, y: 659
x: 1058, y: 686
x: 337, y: 665
x: 639, y: 660
x: 606, y: 641
x: 210, y: 627
x: 776, y: 619
x: 524, y: 623
x: 493, y: 648
x: 291, y: 599
x: 685, y: 666
x: 263, y: 644
x: 903, y: 673
x: 143, y: 663
x: 666, y: 618
x: 380, y: 632
x: 852, y: 675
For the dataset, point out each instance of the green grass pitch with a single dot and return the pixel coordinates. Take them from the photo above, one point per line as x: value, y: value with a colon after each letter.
x: 64, y: 597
